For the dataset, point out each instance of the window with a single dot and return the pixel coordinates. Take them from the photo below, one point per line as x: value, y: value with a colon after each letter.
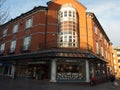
x: 4, y: 33
x: 95, y: 29
x: 74, y: 14
x: 102, y: 53
x: 113, y: 55
x: 26, y: 43
x: 65, y: 13
x: 118, y: 55
x: 100, y: 36
x: 118, y: 60
x: 13, y: 46
x: 97, y: 48
x: 71, y: 69
x: 70, y: 13
x: 61, y: 14
x: 105, y: 41
x: 28, y: 23
x: 114, y: 61
x: 2, y: 47
x: 68, y: 39
x: 68, y: 26
x: 117, y: 49
x: 15, y: 28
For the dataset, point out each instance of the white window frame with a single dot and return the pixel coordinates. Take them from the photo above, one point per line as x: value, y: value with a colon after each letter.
x: 97, y: 48
x: 4, y: 34
x: 15, y: 28
x: 2, y: 47
x: 13, y: 46
x: 68, y: 39
x: 95, y: 29
x: 29, y: 23
x: 100, y: 36
x: 26, y: 43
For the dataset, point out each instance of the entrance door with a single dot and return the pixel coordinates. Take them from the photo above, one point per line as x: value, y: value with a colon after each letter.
x: 42, y: 72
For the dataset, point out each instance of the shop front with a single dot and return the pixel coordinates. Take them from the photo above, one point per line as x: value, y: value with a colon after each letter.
x: 5, y: 69
x: 71, y: 70
x: 33, y: 70
x: 57, y: 66
x: 98, y: 68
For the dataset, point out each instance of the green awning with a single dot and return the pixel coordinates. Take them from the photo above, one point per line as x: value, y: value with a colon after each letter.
x: 50, y: 54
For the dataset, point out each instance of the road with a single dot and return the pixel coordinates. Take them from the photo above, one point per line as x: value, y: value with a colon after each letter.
x: 19, y: 84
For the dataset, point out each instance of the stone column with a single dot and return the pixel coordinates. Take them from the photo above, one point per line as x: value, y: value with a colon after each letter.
x: 93, y: 69
x: 13, y: 71
x: 53, y: 71
x: 87, y: 71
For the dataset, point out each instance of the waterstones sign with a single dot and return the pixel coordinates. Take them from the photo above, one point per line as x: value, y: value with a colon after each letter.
x: 70, y: 76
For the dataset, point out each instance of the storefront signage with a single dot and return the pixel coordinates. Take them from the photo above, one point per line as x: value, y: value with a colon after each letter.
x: 70, y: 76
x: 40, y: 62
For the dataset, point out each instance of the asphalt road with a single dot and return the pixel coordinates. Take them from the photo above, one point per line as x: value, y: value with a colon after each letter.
x: 18, y: 84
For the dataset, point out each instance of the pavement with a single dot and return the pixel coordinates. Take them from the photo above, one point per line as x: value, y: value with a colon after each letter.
x: 20, y: 84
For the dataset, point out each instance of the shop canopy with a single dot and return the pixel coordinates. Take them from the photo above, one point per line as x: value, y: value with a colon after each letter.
x: 52, y: 54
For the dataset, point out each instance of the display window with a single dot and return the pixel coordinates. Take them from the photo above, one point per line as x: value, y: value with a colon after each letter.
x: 71, y: 70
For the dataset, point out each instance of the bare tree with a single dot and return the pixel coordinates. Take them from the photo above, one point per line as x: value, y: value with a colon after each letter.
x: 3, y: 12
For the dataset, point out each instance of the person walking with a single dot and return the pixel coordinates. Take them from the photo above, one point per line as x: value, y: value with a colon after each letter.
x: 93, y: 80
x: 112, y: 79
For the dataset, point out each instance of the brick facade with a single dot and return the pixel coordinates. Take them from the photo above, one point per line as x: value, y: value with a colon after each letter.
x: 91, y: 41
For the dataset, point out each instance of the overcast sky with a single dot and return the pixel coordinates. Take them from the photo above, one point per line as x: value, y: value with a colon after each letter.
x: 106, y: 11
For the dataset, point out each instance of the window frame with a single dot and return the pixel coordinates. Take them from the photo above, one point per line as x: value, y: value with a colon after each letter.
x: 4, y: 33
x: 13, y: 46
x: 29, y: 23
x: 15, y: 28
x: 97, y: 48
x: 95, y: 29
x: 2, y: 47
x: 68, y: 39
x: 27, y: 43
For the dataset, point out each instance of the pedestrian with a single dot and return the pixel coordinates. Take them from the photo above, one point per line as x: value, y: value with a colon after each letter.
x: 112, y: 79
x: 93, y: 80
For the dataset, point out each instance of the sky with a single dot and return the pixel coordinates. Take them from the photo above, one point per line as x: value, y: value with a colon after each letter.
x: 106, y: 11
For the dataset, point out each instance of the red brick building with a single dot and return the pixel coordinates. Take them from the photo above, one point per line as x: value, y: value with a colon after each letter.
x: 61, y: 43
